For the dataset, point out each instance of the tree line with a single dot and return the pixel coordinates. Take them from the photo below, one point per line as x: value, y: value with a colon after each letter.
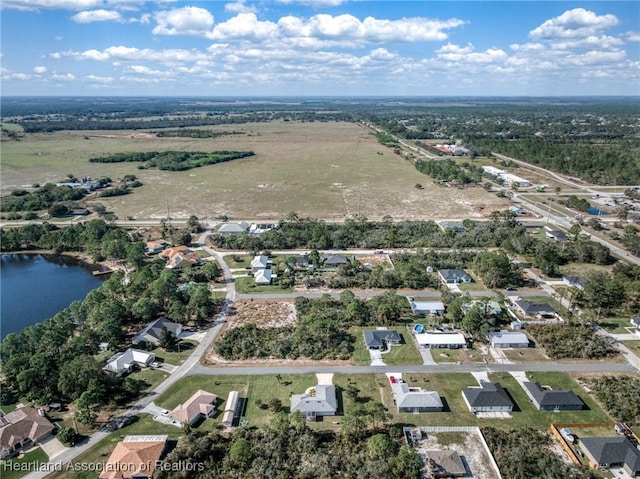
x: 174, y: 160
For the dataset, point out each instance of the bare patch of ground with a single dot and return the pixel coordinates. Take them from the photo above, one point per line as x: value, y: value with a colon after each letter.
x: 262, y: 313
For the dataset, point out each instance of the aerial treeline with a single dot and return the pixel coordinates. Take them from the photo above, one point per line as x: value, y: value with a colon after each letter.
x: 610, y: 162
x: 41, y: 198
x: 287, y: 448
x: 194, y: 133
x: 571, y: 341
x: 174, y: 160
x: 610, y: 294
x: 449, y: 170
x: 619, y: 396
x: 321, y: 331
x: 526, y: 453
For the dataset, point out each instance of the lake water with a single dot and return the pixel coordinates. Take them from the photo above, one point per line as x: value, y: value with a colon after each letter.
x: 36, y: 287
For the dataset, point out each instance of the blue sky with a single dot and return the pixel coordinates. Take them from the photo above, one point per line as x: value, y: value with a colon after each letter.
x: 319, y: 47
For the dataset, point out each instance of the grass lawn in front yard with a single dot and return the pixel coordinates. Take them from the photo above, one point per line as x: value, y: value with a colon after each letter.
x: 615, y: 325
x: 21, y: 466
x: 445, y: 355
x: 473, y: 287
x: 237, y: 261
x: 634, y: 346
x: 525, y: 355
x: 152, y: 377
x: 246, y: 285
x: 176, y: 357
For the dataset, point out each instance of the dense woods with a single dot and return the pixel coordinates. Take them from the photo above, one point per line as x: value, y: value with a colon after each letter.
x: 571, y: 341
x: 526, y: 453
x: 288, y: 449
x: 619, y: 396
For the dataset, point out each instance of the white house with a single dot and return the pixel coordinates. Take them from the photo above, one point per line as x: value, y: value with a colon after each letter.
x: 262, y: 276
x: 508, y: 339
x: 125, y: 361
x: 441, y: 340
x: 259, y: 262
x: 233, y: 228
x: 427, y: 307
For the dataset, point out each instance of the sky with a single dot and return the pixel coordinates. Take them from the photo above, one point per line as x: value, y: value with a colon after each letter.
x: 319, y: 48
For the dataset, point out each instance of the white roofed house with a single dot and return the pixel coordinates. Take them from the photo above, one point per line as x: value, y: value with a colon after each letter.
x: 413, y: 399
x: 125, y: 361
x: 441, y: 340
x: 263, y: 276
x: 427, y: 307
x: 233, y: 228
x: 508, y: 339
x: 259, y: 262
x: 317, y: 401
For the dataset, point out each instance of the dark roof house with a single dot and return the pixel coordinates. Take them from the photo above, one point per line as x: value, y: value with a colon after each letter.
x: 334, y: 261
x: 542, y: 310
x: 556, y: 235
x: 490, y: 397
x: 552, y: 399
x: 380, y: 338
x: 152, y: 332
x: 454, y: 276
x: 607, y: 452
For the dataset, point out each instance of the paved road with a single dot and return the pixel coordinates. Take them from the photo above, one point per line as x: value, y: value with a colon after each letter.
x: 585, y: 367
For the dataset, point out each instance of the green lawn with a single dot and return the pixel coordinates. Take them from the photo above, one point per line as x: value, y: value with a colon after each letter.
x: 245, y: 285
x: 11, y: 468
x: 615, y: 325
x: 152, y: 377
x: 238, y: 261
x: 445, y: 355
x: 176, y: 357
x: 633, y: 345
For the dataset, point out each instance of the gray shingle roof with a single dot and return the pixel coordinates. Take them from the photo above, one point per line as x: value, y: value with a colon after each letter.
x: 490, y: 394
x: 613, y: 450
x: 552, y: 397
x: 457, y: 275
x: 417, y: 398
x: 324, y: 401
x: 376, y: 338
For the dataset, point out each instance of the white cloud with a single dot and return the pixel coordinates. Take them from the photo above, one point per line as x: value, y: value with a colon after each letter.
x: 62, y: 4
x: 633, y: 36
x: 315, y: 3
x: 39, y: 70
x: 9, y: 75
x: 245, y: 26
x: 122, y: 53
x: 573, y: 23
x: 63, y: 76
x: 458, y: 54
x: 99, y: 79
x: 58, y: 38
x: 193, y: 21
x: 90, y: 16
x: 239, y: 6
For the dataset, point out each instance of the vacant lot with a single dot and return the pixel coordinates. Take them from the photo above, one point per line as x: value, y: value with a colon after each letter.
x: 325, y: 170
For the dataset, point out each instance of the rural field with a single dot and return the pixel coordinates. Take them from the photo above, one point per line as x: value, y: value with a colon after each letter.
x: 328, y: 170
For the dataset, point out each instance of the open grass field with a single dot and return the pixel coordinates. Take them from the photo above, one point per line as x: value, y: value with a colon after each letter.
x: 326, y: 170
